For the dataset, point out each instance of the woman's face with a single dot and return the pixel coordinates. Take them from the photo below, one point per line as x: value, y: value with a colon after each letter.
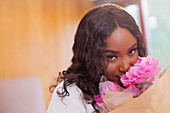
x: 121, y: 52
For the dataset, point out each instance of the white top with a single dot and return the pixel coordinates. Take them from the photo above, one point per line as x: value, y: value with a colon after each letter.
x: 70, y: 104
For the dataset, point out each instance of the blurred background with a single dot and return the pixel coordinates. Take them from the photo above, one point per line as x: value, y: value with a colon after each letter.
x: 36, y: 36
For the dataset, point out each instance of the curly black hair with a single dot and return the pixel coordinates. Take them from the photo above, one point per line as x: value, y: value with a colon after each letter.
x: 89, y: 46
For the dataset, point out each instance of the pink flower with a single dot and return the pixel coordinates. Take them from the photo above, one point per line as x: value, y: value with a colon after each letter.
x: 112, y: 86
x: 103, y: 86
x: 144, y: 71
x: 136, y: 80
x: 98, y: 98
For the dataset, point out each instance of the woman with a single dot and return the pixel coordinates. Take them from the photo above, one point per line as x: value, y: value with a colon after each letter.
x: 107, y: 42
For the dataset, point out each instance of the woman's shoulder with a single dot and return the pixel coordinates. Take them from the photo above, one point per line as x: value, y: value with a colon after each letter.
x: 72, y: 89
x: 71, y: 103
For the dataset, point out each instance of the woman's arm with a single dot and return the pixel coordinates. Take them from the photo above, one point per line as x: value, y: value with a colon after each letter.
x: 70, y: 104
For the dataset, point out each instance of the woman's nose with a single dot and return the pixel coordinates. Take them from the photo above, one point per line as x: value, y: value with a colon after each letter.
x: 124, y: 65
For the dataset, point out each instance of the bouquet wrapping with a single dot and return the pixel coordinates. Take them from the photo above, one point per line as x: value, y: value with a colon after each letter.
x: 147, y: 92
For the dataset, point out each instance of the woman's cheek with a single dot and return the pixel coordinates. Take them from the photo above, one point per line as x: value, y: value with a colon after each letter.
x: 110, y: 71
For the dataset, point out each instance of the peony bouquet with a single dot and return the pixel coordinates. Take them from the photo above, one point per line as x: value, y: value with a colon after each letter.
x: 136, y: 80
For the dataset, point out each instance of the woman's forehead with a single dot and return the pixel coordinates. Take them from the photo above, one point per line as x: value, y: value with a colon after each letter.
x: 120, y: 38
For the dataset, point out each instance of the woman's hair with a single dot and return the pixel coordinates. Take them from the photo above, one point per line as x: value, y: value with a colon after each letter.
x: 89, y: 46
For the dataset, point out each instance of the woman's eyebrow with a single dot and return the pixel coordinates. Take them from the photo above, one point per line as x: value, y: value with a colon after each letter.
x: 111, y: 51
x: 134, y: 45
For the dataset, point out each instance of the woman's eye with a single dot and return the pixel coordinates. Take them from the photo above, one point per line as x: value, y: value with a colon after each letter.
x: 111, y: 57
x: 132, y: 52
